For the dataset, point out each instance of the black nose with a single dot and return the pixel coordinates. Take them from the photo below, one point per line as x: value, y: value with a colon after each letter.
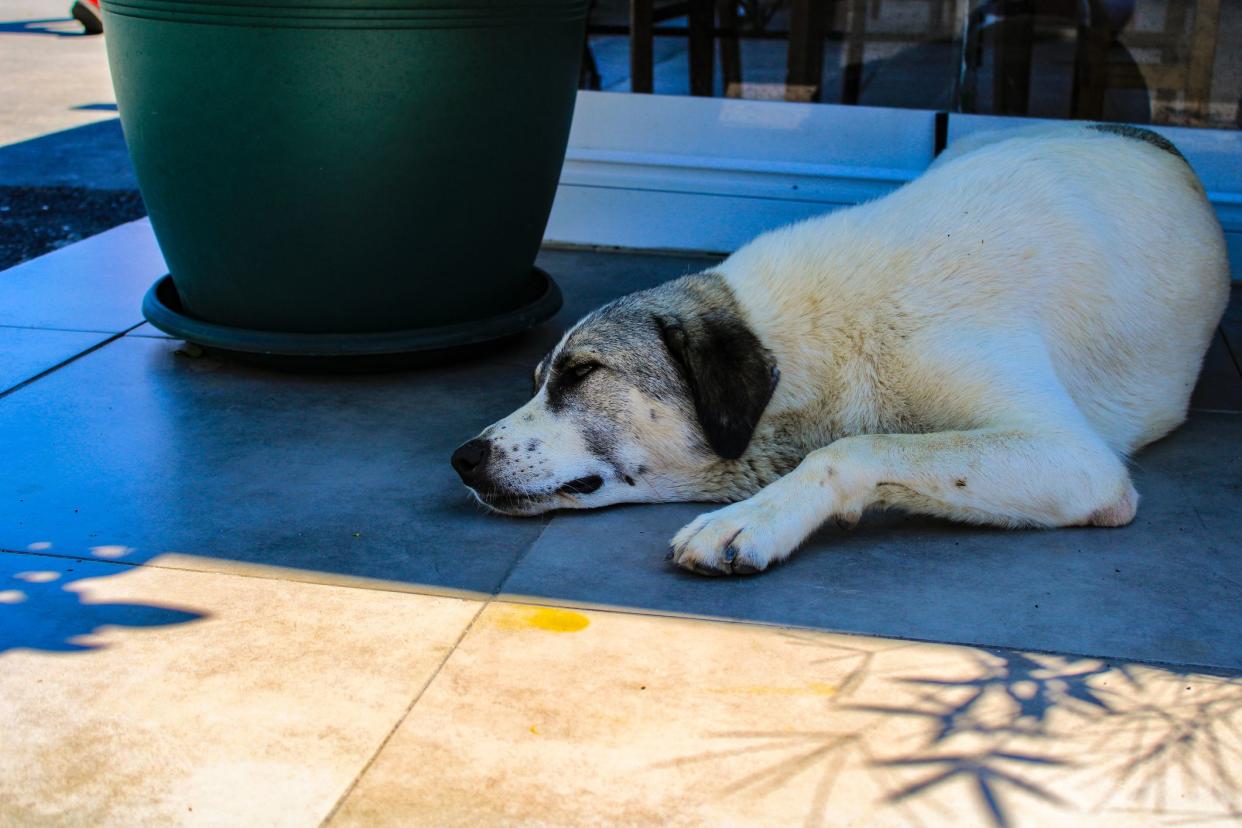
x: 470, y: 459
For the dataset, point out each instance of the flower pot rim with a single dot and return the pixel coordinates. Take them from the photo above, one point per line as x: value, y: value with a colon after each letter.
x: 351, y: 13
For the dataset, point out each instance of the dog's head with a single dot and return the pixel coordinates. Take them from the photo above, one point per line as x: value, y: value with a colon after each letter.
x: 639, y: 401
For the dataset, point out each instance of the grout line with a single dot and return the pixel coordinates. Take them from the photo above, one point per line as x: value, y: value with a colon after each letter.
x: 1233, y: 355
x: 360, y: 582
x: 614, y: 609
x: 83, y: 559
x: 534, y: 600
x: 401, y: 719
x: 491, y: 599
x: 500, y: 596
x: 62, y: 364
x: 521, y: 556
x: 441, y: 592
x: 61, y: 330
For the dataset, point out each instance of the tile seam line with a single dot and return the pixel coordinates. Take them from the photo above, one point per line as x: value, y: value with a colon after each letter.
x: 532, y: 600
x: 491, y: 599
x: 486, y: 599
x: 1224, y: 335
x: 58, y: 329
x: 31, y: 380
x: 454, y: 594
x: 521, y: 556
x: 349, y: 790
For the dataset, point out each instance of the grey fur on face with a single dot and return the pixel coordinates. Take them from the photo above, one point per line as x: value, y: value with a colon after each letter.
x: 647, y: 395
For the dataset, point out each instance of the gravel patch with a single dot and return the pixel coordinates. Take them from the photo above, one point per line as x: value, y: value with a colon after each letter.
x: 37, y: 220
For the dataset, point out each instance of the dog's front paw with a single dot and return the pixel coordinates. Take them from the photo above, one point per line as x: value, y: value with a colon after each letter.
x: 740, y: 539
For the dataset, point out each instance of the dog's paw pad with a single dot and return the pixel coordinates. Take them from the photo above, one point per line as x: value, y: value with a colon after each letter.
x: 735, y: 540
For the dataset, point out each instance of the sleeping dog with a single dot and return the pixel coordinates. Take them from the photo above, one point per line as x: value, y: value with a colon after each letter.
x: 986, y: 344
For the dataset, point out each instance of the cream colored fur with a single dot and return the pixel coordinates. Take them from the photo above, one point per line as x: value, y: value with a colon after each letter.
x: 993, y: 340
x: 989, y: 344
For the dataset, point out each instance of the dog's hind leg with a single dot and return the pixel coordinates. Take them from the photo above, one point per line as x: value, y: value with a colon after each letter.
x: 1002, y: 476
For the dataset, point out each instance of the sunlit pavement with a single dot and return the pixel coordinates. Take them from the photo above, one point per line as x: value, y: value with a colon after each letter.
x: 268, y: 701
x: 236, y: 597
x: 55, y: 76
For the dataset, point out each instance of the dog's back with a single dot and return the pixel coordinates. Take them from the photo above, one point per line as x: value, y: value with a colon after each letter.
x: 1090, y: 246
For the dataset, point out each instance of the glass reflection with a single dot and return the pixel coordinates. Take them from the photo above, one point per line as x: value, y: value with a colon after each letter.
x: 1142, y: 61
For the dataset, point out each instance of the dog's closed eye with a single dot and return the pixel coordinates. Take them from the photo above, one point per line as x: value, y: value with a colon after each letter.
x: 567, y: 376
x: 580, y: 371
x: 577, y: 373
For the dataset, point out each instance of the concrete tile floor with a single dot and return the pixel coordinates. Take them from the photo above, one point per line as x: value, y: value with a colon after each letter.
x: 150, y: 696
x: 230, y: 595
x: 30, y: 351
x: 100, y: 283
x: 698, y: 723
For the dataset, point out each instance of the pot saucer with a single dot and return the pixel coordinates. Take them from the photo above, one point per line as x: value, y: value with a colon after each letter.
x: 347, y: 352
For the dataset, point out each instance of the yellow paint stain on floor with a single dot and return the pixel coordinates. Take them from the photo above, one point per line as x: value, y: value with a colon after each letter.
x: 812, y: 689
x: 541, y: 618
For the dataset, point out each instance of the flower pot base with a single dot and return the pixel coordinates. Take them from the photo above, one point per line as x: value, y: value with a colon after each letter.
x: 379, y: 351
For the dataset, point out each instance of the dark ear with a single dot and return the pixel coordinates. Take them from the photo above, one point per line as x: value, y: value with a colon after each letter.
x: 730, y: 374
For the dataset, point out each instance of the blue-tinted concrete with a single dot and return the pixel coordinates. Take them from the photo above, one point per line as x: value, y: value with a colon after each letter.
x: 1218, y: 388
x: 92, y: 156
x: 134, y: 446
x: 137, y: 447
x: 132, y: 451
x: 28, y: 352
x: 1165, y: 588
x: 94, y: 285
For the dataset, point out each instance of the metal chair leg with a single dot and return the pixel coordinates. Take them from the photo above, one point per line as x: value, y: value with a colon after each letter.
x: 730, y: 48
x: 805, y: 66
x: 642, y: 38
x: 702, y: 17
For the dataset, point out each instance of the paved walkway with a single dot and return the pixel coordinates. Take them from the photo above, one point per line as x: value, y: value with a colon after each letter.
x: 56, y: 77
x: 58, y: 121
x: 64, y: 171
x: 230, y: 596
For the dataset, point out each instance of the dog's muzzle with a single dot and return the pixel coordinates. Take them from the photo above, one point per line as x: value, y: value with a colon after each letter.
x: 472, y: 462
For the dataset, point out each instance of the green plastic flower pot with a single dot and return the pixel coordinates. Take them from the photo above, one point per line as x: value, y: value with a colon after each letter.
x: 321, y: 173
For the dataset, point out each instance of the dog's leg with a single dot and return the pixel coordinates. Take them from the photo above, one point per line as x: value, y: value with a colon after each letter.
x: 1007, y: 477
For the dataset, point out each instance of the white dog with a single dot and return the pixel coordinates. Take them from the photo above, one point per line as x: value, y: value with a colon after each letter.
x: 987, y: 344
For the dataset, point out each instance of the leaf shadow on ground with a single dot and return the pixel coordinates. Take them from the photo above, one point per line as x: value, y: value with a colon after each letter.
x: 43, y: 608
x: 1077, y: 734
